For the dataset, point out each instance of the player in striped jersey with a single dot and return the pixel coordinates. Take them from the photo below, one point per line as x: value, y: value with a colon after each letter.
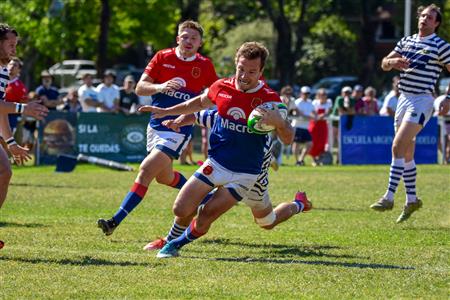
x: 8, y: 43
x: 257, y: 199
x: 420, y: 59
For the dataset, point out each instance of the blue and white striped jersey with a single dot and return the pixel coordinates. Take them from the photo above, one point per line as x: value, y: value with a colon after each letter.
x: 427, y: 56
x: 207, y: 118
x: 4, y: 80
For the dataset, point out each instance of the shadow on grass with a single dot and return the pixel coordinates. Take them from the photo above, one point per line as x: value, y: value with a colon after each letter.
x: 44, y: 185
x: 339, y: 209
x: 306, y: 262
x: 303, y: 251
x: 438, y: 228
x: 83, y: 261
x: 28, y: 225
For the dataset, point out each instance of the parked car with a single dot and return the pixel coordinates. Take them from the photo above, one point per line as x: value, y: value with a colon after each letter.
x: 68, y: 71
x: 333, y: 85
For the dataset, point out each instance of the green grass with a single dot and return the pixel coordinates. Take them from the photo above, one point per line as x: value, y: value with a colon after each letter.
x: 339, y: 250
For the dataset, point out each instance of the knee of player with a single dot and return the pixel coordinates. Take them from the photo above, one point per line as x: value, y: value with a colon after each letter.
x: 180, y: 211
x: 267, y: 222
x: 5, y: 172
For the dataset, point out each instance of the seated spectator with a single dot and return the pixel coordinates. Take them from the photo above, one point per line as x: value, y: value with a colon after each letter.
x: 88, y: 96
x: 391, y: 99
x: 71, y: 103
x: 304, y: 112
x: 318, y: 127
x: 128, y: 100
x: 48, y: 93
x: 108, y: 93
x: 368, y: 105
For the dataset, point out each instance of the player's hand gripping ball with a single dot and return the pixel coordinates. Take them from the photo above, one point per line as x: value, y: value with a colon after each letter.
x: 254, y: 120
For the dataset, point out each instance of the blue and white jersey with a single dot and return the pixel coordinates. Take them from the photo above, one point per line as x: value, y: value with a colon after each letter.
x: 4, y: 80
x: 207, y: 118
x: 427, y: 56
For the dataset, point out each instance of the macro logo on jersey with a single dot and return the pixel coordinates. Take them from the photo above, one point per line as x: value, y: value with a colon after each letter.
x: 233, y: 126
x: 178, y: 94
x: 196, y: 72
x: 236, y: 113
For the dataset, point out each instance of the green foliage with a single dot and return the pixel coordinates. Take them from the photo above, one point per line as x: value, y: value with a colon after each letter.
x: 259, y: 31
x: 328, y: 50
x: 339, y: 250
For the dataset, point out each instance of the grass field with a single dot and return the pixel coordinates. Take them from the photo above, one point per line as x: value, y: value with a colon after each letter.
x: 339, y: 250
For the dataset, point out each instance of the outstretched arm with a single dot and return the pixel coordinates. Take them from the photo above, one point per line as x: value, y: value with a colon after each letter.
x: 196, y: 104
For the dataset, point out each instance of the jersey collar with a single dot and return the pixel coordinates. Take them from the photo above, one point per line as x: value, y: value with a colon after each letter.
x: 177, y: 52
x: 424, y: 38
x: 253, y: 90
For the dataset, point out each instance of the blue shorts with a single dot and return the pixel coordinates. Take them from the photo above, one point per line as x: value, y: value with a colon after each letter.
x: 302, y: 135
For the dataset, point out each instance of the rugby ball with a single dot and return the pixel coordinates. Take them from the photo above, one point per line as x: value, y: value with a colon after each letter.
x: 253, y: 122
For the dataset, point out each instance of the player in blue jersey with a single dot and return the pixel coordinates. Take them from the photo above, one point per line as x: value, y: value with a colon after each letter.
x: 172, y: 76
x: 8, y: 43
x: 420, y: 59
x: 236, y: 154
x: 258, y: 199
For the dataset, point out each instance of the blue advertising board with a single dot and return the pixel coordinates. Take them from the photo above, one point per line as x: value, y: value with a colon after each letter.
x: 368, y: 140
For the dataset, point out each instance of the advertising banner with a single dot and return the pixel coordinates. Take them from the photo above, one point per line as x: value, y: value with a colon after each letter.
x: 112, y: 136
x: 368, y: 140
x: 57, y: 135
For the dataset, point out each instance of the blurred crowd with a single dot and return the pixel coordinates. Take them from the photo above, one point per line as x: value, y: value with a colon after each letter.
x: 310, y: 115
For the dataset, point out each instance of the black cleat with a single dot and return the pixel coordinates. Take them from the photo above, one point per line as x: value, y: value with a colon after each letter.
x: 107, y: 226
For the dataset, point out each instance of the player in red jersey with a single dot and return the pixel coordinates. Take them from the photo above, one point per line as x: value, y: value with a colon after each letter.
x: 173, y: 76
x: 236, y: 154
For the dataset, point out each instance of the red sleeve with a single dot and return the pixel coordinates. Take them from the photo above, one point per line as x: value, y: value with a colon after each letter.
x: 212, y: 76
x: 153, y: 67
x: 213, y: 91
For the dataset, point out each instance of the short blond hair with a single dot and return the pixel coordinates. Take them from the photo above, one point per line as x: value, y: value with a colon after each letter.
x: 252, y: 50
x: 192, y: 25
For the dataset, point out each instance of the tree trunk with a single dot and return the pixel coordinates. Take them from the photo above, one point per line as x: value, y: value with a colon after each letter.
x: 103, y: 38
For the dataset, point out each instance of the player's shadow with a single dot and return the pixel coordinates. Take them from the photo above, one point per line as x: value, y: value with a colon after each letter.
x: 54, y: 186
x: 82, y: 261
x: 15, y: 224
x: 339, y: 209
x: 280, y: 249
x: 437, y: 228
x: 306, y: 262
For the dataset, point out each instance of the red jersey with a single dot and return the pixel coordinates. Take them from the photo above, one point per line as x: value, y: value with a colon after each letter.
x: 237, y: 105
x: 195, y: 74
x: 16, y: 91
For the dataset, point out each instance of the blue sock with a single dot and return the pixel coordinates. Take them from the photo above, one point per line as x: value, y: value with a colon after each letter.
x: 178, y: 181
x: 188, y: 236
x: 131, y: 200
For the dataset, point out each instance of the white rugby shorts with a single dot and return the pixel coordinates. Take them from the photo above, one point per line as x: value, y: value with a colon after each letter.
x: 256, y: 201
x: 239, y: 184
x: 169, y: 142
x: 413, y: 108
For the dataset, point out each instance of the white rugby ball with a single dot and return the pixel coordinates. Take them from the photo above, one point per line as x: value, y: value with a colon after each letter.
x: 253, y: 122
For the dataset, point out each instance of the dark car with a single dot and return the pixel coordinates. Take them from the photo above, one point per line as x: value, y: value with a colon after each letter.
x: 333, y: 85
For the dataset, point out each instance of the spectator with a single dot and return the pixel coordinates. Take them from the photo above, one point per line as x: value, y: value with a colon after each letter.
x: 128, y: 100
x: 303, y: 114
x: 368, y: 105
x: 71, y: 103
x: 287, y: 96
x: 318, y: 127
x: 29, y: 125
x: 48, y: 93
x: 358, y: 92
x: 440, y: 111
x: 16, y: 90
x: 88, y: 96
x: 391, y: 99
x: 343, y: 105
x: 108, y: 93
